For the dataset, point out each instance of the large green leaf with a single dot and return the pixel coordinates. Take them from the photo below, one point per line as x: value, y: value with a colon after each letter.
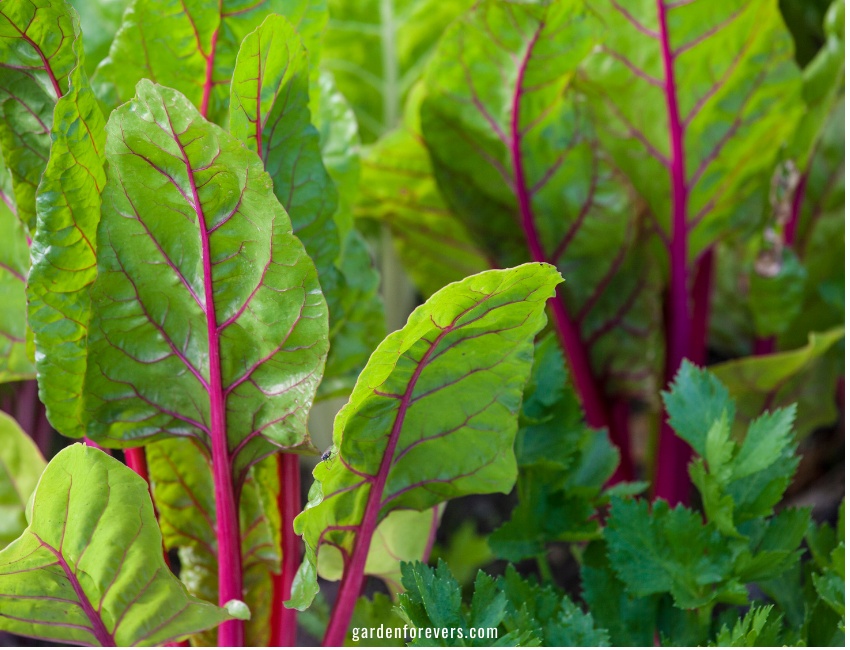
x: 200, y: 285
x: 191, y: 46
x: 433, y: 415
x: 399, y: 189
x: 736, y: 93
x: 63, y: 249
x: 377, y: 50
x: 516, y: 156
x: 183, y: 490
x: 14, y: 265
x: 800, y: 376
x: 21, y: 465
x: 271, y: 116
x: 89, y: 567
x: 36, y: 56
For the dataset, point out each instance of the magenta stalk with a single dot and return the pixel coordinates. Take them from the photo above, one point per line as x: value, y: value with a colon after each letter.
x: 284, y: 623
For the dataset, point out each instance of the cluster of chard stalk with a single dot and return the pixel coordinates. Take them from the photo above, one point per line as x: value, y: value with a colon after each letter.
x: 185, y: 279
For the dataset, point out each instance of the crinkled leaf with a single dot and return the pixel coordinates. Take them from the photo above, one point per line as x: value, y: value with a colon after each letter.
x: 517, y: 159
x: 14, y: 265
x: 21, y: 465
x: 191, y: 46
x: 377, y: 50
x: 198, y: 266
x: 63, y: 249
x: 36, y: 56
x: 736, y: 91
x: 796, y: 376
x: 398, y: 188
x: 184, y: 494
x: 92, y: 560
x: 447, y: 383
x: 270, y: 114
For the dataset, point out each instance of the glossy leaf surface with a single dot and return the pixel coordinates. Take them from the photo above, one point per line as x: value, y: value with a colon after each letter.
x: 36, y: 56
x: 91, y: 558
x: 448, y: 383
x: 517, y: 158
x: 63, y: 249
x: 377, y: 50
x: 21, y: 465
x: 735, y: 92
x: 192, y: 47
x: 201, y: 282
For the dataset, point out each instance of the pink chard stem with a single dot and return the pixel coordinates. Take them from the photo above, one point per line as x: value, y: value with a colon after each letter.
x: 671, y: 480
x: 283, y: 623
x: 595, y: 408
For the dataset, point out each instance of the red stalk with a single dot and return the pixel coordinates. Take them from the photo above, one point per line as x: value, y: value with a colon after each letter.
x: 283, y: 622
x: 620, y: 437
x: 671, y: 481
x: 701, y: 300
x: 575, y: 349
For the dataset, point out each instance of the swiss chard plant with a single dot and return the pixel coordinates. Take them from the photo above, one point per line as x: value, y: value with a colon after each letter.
x: 592, y: 198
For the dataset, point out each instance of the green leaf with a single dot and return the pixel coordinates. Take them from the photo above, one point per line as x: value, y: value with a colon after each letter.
x: 192, y: 46
x: 200, y: 282
x: 403, y: 536
x: 751, y: 631
x: 36, y: 57
x: 663, y: 550
x: 377, y: 50
x: 183, y: 490
x: 14, y: 266
x: 780, y: 379
x: 272, y: 118
x: 776, y: 299
x: 68, y: 204
x: 433, y: 415
x: 737, y: 96
x: 99, y: 20
x: 398, y: 188
x: 91, y: 558
x: 629, y: 620
x: 21, y: 465
x: 516, y: 156
x: 465, y: 553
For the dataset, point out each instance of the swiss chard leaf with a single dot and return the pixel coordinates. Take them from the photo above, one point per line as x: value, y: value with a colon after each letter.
x: 14, y: 265
x: 517, y: 159
x: 63, y: 249
x: 91, y: 558
x: 200, y: 281
x: 36, y: 57
x: 398, y: 188
x: 183, y: 491
x: 192, y: 47
x: 21, y: 465
x: 404, y: 33
x: 726, y: 71
x: 99, y: 21
x: 398, y: 444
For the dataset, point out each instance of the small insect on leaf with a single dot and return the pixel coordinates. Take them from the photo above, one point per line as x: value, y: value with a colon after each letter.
x: 328, y: 453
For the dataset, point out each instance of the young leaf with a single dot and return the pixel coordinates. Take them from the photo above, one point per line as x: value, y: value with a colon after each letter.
x: 36, y: 56
x: 14, y: 265
x: 192, y: 46
x: 398, y: 188
x: 21, y: 465
x: 505, y: 142
x: 377, y: 50
x: 91, y: 558
x: 751, y: 631
x: 448, y: 383
x: 63, y: 249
